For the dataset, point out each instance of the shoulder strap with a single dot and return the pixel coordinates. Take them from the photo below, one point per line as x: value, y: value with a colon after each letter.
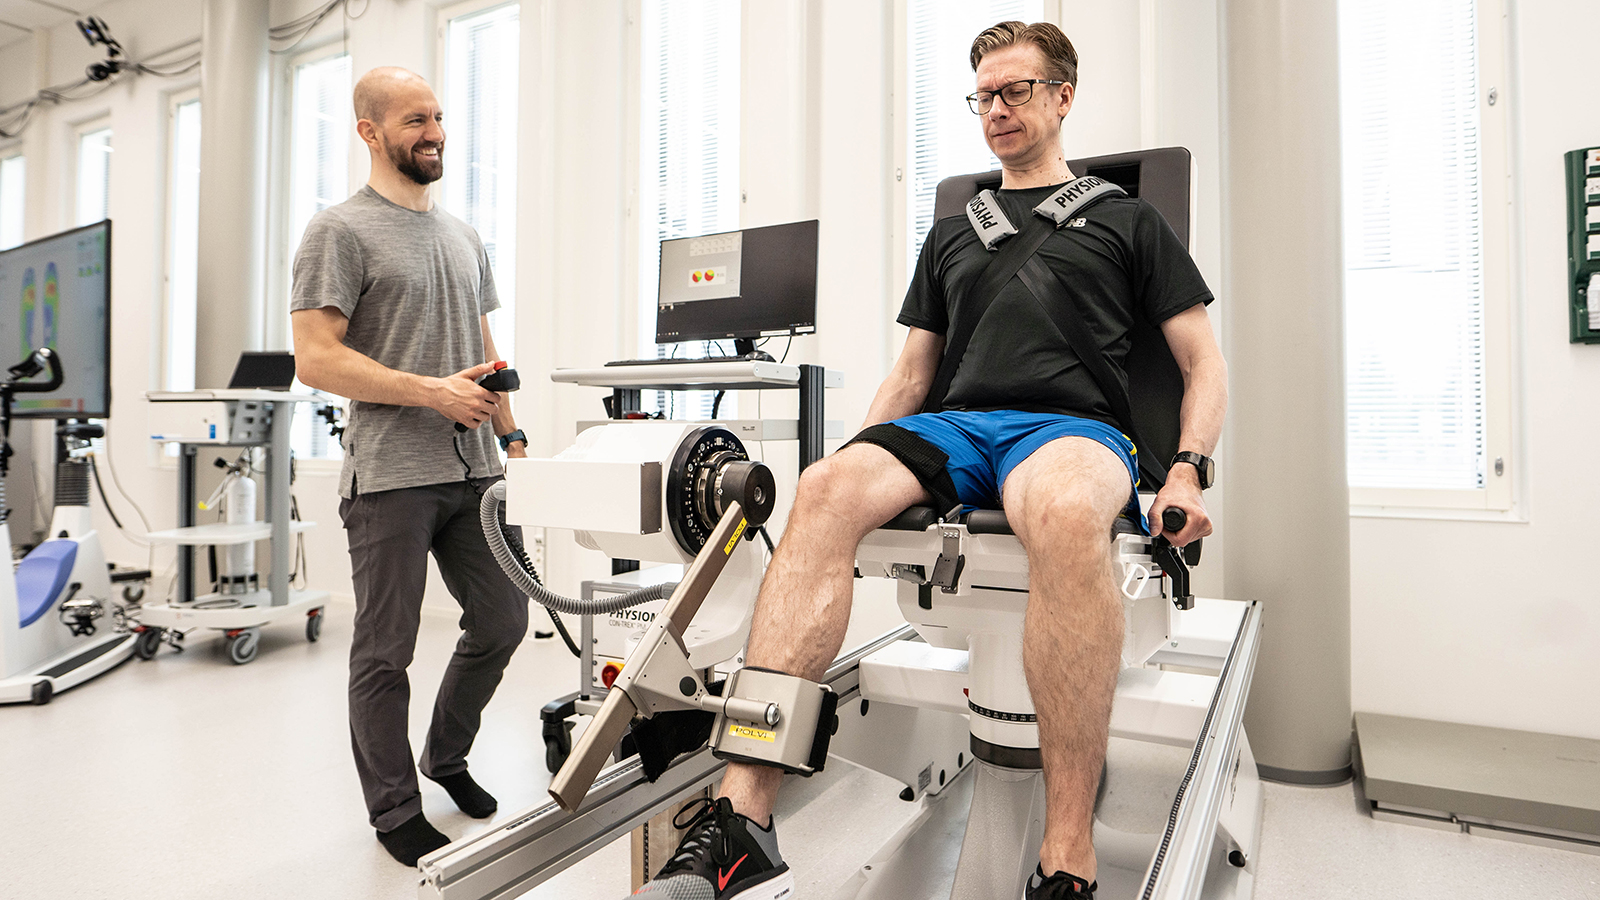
x: 993, y: 227
x: 1051, y: 294
x: 1001, y: 269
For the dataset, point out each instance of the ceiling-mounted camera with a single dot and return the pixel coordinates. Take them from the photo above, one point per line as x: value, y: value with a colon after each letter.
x: 95, y: 31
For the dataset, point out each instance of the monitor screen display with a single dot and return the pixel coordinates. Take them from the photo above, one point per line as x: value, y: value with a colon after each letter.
x: 56, y: 292
x: 739, y: 284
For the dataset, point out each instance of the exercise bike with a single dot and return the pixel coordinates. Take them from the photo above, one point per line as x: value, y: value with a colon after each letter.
x: 60, y: 624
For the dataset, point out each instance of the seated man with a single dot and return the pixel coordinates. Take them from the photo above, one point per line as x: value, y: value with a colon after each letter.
x: 1023, y: 425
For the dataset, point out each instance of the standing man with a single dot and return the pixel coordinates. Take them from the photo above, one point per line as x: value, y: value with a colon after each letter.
x: 390, y: 302
x: 1023, y: 426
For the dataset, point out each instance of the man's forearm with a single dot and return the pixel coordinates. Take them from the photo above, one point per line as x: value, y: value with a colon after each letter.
x: 348, y: 373
x: 1205, y: 403
x: 503, y: 421
x: 896, y: 398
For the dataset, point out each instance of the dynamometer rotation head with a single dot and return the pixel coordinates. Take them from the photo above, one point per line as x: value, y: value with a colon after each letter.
x: 710, y: 470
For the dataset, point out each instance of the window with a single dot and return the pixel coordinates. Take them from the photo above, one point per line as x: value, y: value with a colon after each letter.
x: 688, y: 147
x: 942, y: 136
x: 183, y: 241
x: 1425, y: 256
x: 12, y: 185
x: 480, y: 182
x: 94, y: 175
x: 319, y: 176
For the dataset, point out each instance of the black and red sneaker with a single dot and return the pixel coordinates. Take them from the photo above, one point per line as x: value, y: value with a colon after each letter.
x: 723, y: 856
x: 1059, y: 886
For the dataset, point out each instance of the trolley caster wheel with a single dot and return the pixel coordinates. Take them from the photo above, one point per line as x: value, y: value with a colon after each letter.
x: 43, y: 690
x: 314, y: 625
x: 557, y: 747
x: 243, y: 644
x: 146, y: 645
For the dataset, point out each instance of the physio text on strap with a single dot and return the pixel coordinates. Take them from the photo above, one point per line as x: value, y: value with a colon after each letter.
x: 992, y: 226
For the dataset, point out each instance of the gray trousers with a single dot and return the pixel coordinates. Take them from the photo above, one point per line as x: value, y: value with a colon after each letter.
x: 390, y: 535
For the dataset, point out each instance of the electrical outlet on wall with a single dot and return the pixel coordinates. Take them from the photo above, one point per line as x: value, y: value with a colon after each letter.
x: 535, y: 540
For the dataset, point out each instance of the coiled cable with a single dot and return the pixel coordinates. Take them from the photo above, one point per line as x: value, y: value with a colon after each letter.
x: 528, y: 583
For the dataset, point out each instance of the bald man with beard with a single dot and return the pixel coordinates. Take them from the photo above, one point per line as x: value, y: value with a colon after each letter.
x: 389, y: 303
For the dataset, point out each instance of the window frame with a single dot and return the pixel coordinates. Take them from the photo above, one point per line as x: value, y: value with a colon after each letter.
x: 1499, y: 498
x: 173, y: 101
x: 78, y: 130
x: 15, y: 149
x: 505, y: 343
x: 692, y: 405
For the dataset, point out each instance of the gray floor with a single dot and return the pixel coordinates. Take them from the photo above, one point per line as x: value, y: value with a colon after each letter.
x: 188, y: 777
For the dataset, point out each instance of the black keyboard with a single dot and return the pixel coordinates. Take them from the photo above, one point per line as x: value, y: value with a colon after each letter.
x: 686, y: 361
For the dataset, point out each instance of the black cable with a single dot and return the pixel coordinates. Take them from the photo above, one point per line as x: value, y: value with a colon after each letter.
x: 766, y: 538
x: 514, y: 541
x: 456, y: 443
x: 565, y: 636
x: 95, y: 470
x: 716, y: 403
x: 787, y: 346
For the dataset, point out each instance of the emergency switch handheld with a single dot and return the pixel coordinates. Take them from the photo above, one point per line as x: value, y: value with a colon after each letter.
x: 502, y: 380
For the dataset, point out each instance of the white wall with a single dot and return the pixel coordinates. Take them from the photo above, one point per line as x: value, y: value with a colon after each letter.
x: 1495, y: 623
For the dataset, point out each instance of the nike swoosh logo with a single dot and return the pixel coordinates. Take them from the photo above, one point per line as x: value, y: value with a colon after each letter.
x: 722, y: 877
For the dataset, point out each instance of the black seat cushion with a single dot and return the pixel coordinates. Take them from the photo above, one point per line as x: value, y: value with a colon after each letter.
x: 983, y: 521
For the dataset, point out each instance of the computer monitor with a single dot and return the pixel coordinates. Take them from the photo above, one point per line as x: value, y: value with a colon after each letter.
x: 743, y: 285
x: 56, y: 292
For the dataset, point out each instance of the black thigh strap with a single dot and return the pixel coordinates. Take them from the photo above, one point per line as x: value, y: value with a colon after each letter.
x: 925, y: 461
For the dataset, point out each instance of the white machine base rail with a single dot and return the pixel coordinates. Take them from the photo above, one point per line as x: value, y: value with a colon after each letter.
x: 540, y: 842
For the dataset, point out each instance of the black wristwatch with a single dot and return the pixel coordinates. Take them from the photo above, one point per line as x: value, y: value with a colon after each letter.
x: 1205, y: 465
x: 511, y: 436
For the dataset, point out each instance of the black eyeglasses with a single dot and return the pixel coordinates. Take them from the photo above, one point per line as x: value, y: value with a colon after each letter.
x: 1014, y: 94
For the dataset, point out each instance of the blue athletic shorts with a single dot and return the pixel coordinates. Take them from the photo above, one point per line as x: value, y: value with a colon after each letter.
x: 983, y: 447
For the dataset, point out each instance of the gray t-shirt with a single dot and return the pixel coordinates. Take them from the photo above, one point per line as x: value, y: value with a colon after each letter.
x: 413, y: 285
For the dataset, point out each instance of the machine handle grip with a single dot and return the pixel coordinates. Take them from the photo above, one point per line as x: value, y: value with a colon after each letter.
x: 1173, y: 519
x: 30, y: 367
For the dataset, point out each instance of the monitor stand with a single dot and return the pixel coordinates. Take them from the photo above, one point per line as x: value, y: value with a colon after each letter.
x: 745, y: 348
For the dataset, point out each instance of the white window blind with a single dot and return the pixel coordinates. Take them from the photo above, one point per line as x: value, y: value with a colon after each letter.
x: 1413, y: 243
x: 480, y: 183
x: 688, y: 148
x: 94, y: 176
x: 319, y: 177
x: 943, y: 137
x: 183, y: 244
x: 12, y: 191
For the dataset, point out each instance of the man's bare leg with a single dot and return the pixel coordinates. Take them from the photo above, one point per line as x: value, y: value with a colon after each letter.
x: 1061, y: 502
x: 804, y: 605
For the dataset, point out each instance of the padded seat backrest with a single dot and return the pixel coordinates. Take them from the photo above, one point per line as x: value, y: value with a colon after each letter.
x: 41, y: 576
x: 1163, y: 177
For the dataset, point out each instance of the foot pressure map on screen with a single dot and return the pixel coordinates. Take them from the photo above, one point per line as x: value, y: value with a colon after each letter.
x: 56, y: 293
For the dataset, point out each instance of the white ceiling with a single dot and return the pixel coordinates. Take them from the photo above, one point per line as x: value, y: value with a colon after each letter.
x: 19, y: 17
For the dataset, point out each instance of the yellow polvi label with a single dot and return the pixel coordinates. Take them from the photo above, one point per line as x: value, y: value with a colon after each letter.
x: 734, y: 541
x: 754, y: 734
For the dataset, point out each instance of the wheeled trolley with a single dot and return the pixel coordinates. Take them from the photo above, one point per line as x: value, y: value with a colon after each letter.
x: 239, y: 607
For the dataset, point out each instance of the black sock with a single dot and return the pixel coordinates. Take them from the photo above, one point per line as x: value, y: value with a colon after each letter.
x: 468, y: 796
x: 412, y: 839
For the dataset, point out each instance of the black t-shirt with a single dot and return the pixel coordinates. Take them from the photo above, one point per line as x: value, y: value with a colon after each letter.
x: 1123, y: 261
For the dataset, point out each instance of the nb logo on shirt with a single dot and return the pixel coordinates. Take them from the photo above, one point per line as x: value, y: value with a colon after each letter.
x: 1077, y: 223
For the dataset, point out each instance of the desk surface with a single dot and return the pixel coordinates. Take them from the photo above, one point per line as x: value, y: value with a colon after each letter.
x: 738, y: 375
x: 230, y: 394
